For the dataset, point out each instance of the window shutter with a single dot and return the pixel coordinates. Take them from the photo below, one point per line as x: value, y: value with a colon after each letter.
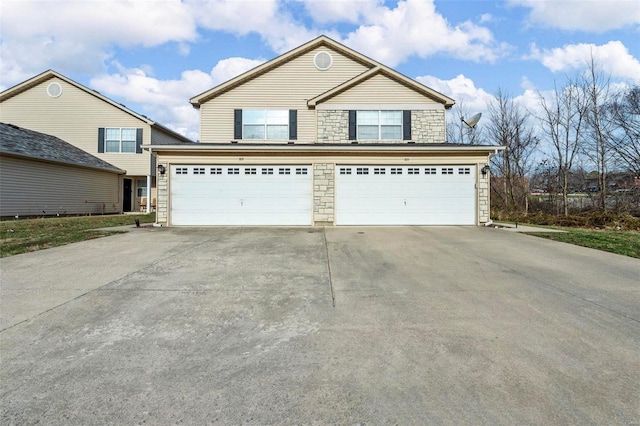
x: 101, y: 139
x: 138, y: 141
x: 237, y: 124
x: 406, y: 125
x: 352, y: 125
x: 293, y: 124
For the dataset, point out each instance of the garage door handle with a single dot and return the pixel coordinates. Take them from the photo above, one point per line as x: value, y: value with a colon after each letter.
x: 405, y: 202
x: 241, y: 202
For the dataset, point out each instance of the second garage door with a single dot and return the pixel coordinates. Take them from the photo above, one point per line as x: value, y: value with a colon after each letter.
x: 241, y: 195
x: 403, y: 195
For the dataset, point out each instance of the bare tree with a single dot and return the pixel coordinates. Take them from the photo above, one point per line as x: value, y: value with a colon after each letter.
x: 508, y: 126
x: 625, y: 114
x: 458, y: 131
x: 563, y: 123
x: 596, y: 87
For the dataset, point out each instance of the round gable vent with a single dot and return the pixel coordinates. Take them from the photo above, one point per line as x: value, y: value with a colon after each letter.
x: 323, y: 61
x: 54, y: 90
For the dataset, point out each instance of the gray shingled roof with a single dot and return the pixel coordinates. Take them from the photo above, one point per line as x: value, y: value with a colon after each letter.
x: 27, y: 143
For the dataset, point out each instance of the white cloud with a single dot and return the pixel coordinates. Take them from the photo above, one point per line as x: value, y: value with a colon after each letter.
x: 460, y: 88
x: 77, y: 36
x: 267, y: 18
x: 99, y: 22
x: 337, y: 11
x: 613, y: 57
x: 584, y: 15
x: 228, y: 68
x: 167, y: 101
x: 414, y: 27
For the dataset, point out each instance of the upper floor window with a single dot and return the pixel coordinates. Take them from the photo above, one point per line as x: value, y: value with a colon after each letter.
x: 379, y: 125
x: 119, y: 139
x: 265, y: 124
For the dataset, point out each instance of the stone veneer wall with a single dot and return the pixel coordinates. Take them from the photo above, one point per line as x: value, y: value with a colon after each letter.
x: 161, y: 206
x: 427, y: 126
x: 323, y: 193
x: 333, y: 126
x: 483, y: 196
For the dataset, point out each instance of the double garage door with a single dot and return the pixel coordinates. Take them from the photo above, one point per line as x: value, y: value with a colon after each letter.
x: 241, y: 195
x: 283, y: 195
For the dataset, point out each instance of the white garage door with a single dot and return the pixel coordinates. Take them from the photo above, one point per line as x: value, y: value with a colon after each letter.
x: 405, y: 195
x: 241, y: 195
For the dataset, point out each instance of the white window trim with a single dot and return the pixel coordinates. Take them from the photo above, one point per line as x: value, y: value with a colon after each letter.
x: 120, y: 151
x: 266, y: 125
x: 379, y: 125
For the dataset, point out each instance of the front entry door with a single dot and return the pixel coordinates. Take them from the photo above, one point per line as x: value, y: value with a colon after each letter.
x: 126, y: 195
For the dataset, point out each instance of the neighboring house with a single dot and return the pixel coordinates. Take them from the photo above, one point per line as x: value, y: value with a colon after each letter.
x: 616, y: 181
x: 56, y: 105
x: 322, y: 135
x: 42, y: 175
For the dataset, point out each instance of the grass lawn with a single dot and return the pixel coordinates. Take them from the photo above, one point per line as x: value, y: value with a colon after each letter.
x: 620, y: 242
x: 22, y: 236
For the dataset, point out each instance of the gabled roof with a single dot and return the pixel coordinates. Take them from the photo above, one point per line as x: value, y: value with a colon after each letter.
x: 27, y: 143
x: 375, y: 67
x: 49, y: 74
x: 387, y: 72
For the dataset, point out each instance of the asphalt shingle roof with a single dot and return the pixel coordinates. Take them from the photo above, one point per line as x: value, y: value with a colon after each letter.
x: 15, y: 140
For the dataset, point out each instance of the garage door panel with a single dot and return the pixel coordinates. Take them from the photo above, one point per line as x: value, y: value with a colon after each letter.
x: 416, y: 195
x: 241, y: 195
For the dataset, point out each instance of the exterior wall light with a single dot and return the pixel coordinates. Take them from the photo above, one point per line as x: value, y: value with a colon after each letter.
x: 162, y: 169
x: 485, y: 170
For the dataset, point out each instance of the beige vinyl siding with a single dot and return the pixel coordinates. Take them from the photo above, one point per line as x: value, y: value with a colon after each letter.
x: 158, y: 137
x: 288, y: 86
x: 75, y: 117
x: 29, y: 188
x: 380, y: 89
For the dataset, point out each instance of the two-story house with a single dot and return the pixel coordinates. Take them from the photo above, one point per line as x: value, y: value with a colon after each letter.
x: 53, y: 104
x: 322, y: 135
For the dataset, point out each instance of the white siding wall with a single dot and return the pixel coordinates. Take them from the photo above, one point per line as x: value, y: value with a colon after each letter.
x: 380, y: 89
x: 287, y: 87
x: 30, y: 187
x: 75, y: 117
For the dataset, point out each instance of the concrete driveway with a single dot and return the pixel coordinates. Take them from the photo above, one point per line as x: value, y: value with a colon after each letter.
x: 399, y: 325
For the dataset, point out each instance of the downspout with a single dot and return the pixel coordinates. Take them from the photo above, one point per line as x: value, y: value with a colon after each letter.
x: 149, y: 177
x: 148, y: 193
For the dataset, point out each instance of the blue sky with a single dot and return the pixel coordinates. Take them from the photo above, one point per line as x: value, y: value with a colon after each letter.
x: 153, y: 55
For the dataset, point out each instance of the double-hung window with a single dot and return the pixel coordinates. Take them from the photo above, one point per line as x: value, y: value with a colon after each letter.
x: 379, y: 125
x: 265, y: 124
x: 120, y: 139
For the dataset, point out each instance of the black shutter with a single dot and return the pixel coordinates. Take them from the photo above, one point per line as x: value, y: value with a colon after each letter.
x: 352, y: 125
x: 101, y: 139
x: 138, y: 141
x: 237, y: 124
x: 406, y: 125
x: 293, y: 124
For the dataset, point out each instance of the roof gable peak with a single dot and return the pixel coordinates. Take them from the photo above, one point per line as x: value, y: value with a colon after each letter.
x: 322, y: 40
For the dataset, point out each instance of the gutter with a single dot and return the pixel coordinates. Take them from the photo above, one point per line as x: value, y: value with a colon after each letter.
x: 347, y: 148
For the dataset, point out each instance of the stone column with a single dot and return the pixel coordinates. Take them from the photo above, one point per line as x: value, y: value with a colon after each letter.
x: 323, y: 193
x: 161, y: 202
x: 483, y: 196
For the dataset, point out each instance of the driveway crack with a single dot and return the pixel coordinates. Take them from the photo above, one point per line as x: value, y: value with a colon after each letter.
x: 326, y: 249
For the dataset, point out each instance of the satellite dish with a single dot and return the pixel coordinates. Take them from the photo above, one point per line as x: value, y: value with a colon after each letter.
x: 473, y: 120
